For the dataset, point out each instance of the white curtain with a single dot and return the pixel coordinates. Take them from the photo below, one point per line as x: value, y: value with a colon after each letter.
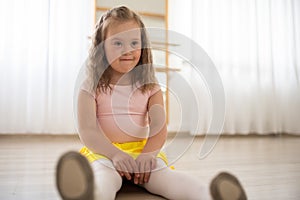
x: 255, y: 45
x: 43, y: 44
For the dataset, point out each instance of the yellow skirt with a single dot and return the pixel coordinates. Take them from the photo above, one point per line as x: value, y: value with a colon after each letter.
x: 132, y: 148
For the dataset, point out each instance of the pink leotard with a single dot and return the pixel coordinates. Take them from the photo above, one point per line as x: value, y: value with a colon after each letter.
x: 124, y: 110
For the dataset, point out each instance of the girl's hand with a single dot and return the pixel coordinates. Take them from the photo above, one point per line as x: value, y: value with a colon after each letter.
x: 124, y: 164
x: 145, y: 163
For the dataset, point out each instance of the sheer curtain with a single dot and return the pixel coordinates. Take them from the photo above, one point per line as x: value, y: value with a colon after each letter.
x: 42, y: 46
x: 255, y: 45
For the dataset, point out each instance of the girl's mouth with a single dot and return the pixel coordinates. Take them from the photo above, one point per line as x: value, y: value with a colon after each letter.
x: 126, y: 59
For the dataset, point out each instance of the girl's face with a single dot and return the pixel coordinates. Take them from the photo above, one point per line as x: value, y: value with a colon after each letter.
x: 123, y: 46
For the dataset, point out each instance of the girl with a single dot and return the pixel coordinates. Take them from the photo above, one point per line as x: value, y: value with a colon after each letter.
x: 121, y: 122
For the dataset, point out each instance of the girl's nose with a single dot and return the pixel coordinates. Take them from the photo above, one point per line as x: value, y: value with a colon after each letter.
x: 127, y: 49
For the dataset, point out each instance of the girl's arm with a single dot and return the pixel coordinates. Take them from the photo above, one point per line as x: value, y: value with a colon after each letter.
x: 92, y: 136
x: 146, y: 161
x: 158, y: 127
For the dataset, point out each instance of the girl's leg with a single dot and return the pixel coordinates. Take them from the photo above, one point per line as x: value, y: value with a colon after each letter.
x: 107, y: 180
x: 173, y: 184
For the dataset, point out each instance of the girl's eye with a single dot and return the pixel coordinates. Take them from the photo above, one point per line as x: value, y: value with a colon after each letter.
x: 135, y: 44
x: 117, y: 43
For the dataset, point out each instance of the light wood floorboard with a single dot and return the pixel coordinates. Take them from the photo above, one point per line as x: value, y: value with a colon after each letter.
x: 267, y: 166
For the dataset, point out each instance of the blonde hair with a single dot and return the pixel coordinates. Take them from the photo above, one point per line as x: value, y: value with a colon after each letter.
x: 98, y: 67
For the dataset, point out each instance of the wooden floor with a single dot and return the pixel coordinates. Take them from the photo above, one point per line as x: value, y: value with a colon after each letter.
x: 267, y: 166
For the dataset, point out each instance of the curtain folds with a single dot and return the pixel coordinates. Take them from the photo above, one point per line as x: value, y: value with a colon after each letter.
x: 42, y: 46
x: 255, y: 45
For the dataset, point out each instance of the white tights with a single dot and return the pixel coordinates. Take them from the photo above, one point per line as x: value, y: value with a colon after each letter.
x: 168, y: 183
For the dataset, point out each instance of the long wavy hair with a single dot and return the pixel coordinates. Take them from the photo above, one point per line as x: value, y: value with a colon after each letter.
x: 99, y: 70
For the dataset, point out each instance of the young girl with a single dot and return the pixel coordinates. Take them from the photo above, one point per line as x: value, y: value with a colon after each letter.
x: 121, y: 122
